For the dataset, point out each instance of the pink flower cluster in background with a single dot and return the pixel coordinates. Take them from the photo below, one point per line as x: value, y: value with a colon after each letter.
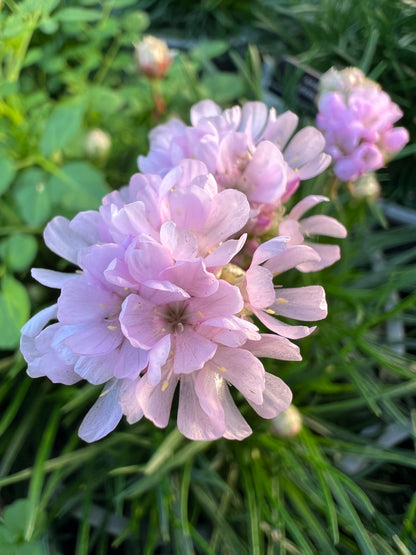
x: 357, y: 118
x: 176, y: 276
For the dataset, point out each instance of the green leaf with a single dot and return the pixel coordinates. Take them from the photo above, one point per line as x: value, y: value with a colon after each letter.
x: 134, y: 23
x: 104, y: 100
x: 223, y: 87
x: 48, y: 26
x: 14, y: 311
x: 7, y: 173
x: 75, y: 15
x: 79, y: 187
x: 61, y: 126
x: 206, y: 50
x: 18, y: 251
x: 32, y: 197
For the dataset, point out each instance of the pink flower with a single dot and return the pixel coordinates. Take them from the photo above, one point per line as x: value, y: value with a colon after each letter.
x: 357, y: 119
x: 268, y: 301
x: 297, y: 229
x: 248, y: 149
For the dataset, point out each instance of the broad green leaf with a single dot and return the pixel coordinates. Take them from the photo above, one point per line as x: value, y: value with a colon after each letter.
x: 223, y: 87
x: 75, y: 15
x: 32, y: 197
x: 14, y: 311
x: 104, y: 100
x: 48, y: 26
x: 81, y: 187
x: 134, y: 23
x: 61, y: 126
x: 7, y: 173
x: 206, y: 50
x: 18, y: 251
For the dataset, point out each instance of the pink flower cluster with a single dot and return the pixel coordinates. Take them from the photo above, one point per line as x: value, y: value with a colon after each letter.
x: 357, y: 119
x: 174, y: 277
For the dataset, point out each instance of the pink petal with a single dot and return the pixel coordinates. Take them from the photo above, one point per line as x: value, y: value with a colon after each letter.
x: 191, y: 351
x: 291, y: 228
x: 254, y: 116
x: 231, y: 331
x: 273, y: 346
x: 328, y: 253
x: 229, y: 213
x: 268, y: 250
x: 242, y: 369
x: 276, y: 397
x: 301, y: 303
x: 206, y: 388
x: 54, y: 368
x: 50, y: 278
x: 322, y: 225
x: 265, y: 174
x: 204, y: 109
x: 306, y: 145
x: 281, y: 129
x: 104, y: 415
x: 192, y: 276
x: 129, y: 402
x: 82, y: 302
x: 227, y: 300
x: 96, y: 369
x: 139, y: 323
x: 193, y: 422
x: 181, y: 243
x: 315, y: 166
x: 130, y: 361
x: 236, y: 426
x: 158, y: 356
x: 62, y: 240
x: 94, y: 339
x: 225, y: 252
x: 306, y: 204
x: 290, y: 258
x: 286, y: 330
x: 156, y: 400
x: 259, y: 286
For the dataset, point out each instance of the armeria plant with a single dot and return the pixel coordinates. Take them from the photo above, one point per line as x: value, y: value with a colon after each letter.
x: 181, y: 278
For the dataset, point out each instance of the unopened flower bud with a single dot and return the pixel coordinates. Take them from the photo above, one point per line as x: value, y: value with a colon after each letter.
x: 288, y: 423
x: 97, y: 144
x: 367, y: 186
x: 153, y: 56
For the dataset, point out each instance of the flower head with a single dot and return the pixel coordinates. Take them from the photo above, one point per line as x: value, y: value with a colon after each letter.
x: 357, y: 119
x: 249, y: 149
x: 161, y: 302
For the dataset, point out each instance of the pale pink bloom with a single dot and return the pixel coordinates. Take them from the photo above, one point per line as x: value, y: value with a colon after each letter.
x: 269, y: 301
x: 249, y: 149
x: 300, y: 230
x: 357, y: 118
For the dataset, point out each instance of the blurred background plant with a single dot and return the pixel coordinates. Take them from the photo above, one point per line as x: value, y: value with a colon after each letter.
x: 75, y: 114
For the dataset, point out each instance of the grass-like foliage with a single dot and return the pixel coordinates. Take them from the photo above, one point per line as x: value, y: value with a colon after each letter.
x: 346, y: 482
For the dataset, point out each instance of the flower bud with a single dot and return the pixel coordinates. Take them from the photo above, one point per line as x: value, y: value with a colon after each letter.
x: 288, y: 423
x: 153, y: 57
x: 97, y: 144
